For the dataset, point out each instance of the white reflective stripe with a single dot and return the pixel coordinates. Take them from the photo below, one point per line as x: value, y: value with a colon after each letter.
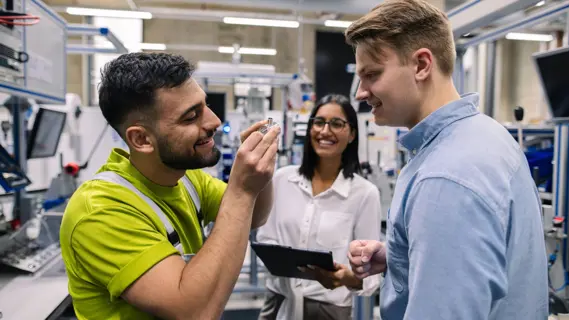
x: 116, y: 178
x: 193, y: 192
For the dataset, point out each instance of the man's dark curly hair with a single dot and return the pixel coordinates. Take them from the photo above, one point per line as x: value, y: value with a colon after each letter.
x: 127, y: 91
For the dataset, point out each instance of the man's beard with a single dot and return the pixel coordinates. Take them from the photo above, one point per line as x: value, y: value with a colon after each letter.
x: 183, y: 161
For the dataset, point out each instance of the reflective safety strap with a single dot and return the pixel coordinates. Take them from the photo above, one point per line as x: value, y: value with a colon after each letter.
x: 173, y: 236
x: 193, y: 193
x: 116, y: 178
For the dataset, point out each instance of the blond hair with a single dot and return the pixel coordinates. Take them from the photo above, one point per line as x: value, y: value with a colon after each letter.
x: 405, y: 26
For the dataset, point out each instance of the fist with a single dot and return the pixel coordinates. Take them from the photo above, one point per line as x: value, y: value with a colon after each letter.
x: 367, y: 257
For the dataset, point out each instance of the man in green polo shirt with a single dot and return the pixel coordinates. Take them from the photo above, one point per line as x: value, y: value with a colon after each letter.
x: 119, y: 258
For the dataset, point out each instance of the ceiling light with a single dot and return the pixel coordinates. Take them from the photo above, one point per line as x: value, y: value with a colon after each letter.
x: 337, y: 23
x: 541, y: 3
x: 529, y: 36
x: 109, y: 13
x: 262, y: 22
x: 255, y: 51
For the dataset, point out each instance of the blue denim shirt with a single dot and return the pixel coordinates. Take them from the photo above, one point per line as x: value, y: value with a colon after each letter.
x: 464, y: 234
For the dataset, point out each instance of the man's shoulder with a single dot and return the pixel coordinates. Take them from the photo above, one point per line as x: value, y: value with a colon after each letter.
x: 204, y: 182
x: 94, y: 197
x: 473, y: 148
x: 484, y: 161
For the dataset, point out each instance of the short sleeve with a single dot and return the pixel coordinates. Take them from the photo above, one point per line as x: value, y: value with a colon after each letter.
x: 115, y: 246
x: 211, y: 192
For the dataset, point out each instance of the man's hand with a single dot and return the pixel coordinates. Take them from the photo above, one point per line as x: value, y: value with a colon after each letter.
x: 367, y: 257
x: 256, y: 126
x: 255, y: 161
x: 343, y: 276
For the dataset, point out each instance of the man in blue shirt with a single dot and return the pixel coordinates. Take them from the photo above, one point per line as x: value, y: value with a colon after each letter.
x: 464, y: 234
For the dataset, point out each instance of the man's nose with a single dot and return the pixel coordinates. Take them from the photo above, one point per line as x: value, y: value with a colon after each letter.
x: 362, y: 94
x: 211, y: 121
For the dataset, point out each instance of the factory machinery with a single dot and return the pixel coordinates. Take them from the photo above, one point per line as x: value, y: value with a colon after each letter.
x: 33, y: 284
x: 546, y: 148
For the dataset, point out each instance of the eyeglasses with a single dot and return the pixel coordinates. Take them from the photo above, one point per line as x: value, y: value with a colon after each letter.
x: 335, y: 124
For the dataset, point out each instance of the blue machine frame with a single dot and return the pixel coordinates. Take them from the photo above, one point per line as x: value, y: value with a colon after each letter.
x: 88, y: 30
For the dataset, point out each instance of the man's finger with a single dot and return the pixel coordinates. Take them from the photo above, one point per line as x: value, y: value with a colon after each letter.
x: 361, y: 276
x: 268, y: 139
x: 252, y: 141
x: 356, y: 246
x: 270, y: 157
x: 361, y: 269
x: 369, y: 250
x: 256, y: 126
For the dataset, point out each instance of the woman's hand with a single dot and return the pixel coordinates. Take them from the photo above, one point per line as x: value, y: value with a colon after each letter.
x: 342, y: 276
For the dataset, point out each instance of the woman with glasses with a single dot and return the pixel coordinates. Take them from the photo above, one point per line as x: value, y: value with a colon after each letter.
x: 323, y: 204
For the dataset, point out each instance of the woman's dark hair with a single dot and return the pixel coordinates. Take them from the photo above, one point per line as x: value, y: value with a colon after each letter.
x: 350, y: 159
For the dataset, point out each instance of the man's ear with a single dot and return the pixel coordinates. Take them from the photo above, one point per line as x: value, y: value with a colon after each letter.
x: 139, y: 139
x: 423, y: 60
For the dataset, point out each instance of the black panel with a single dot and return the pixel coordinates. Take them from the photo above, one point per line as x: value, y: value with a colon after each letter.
x: 216, y: 102
x: 45, y: 134
x: 332, y: 57
x: 554, y: 71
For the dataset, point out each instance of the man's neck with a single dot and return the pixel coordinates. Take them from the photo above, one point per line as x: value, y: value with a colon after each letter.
x: 158, y: 173
x: 437, y: 94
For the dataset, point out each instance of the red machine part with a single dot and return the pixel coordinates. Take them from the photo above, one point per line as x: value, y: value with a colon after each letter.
x: 71, y: 168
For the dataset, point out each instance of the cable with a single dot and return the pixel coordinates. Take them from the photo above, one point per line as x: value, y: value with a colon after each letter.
x: 7, y: 17
x: 99, y: 139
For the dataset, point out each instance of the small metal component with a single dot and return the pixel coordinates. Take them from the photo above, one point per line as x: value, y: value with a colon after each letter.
x: 264, y: 129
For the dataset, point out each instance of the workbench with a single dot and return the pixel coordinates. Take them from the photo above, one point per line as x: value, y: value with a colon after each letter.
x: 38, y: 296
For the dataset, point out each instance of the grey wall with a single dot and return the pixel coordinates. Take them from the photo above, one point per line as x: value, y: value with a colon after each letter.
x: 517, y: 82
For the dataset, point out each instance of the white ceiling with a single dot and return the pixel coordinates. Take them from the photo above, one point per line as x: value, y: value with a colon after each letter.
x: 351, y: 7
x: 311, y: 9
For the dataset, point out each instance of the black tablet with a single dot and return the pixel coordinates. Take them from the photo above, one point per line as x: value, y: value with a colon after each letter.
x: 284, y: 261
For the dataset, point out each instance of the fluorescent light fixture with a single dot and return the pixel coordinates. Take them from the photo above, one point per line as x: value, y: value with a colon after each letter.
x: 541, y: 3
x: 254, y: 51
x: 529, y: 36
x: 337, y: 23
x: 108, y: 13
x: 261, y: 22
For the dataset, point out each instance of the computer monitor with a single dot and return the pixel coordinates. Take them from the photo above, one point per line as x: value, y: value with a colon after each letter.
x: 553, y: 71
x: 46, y: 132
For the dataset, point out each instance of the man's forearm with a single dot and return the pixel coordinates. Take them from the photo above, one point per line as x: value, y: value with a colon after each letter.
x: 211, y: 275
x: 263, y: 206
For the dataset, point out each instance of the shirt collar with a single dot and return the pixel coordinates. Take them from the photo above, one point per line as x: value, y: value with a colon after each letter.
x: 341, y: 185
x: 421, y: 134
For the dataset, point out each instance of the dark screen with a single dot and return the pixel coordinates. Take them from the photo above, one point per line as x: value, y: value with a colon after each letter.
x: 332, y: 58
x: 554, y: 71
x: 46, y: 133
x: 216, y: 102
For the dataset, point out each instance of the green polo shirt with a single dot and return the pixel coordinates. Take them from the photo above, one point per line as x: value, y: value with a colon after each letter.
x: 110, y: 236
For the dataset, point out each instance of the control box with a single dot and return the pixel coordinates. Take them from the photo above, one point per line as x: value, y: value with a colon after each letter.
x: 33, y: 56
x: 12, y: 46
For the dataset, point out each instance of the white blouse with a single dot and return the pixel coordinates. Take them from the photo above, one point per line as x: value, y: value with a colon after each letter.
x: 350, y: 209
